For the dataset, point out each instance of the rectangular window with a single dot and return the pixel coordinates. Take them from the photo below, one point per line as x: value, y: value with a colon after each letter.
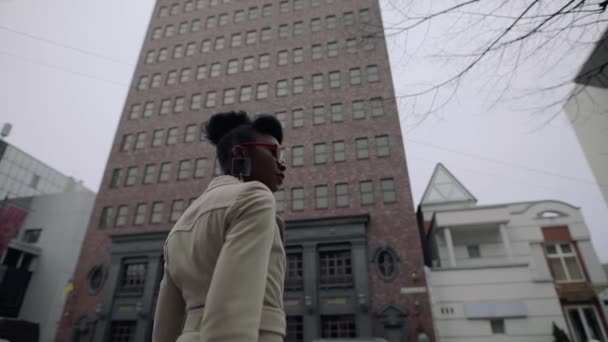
x: 279, y: 197
x: 332, y: 49
x: 250, y: 37
x: 262, y: 91
x: 172, y: 136
x: 31, y: 235
x: 377, y: 104
x: 178, y: 51
x: 116, y: 178
x: 362, y: 145
x: 282, y: 117
x: 366, y: 189
x: 340, y: 326
x: 315, y: 3
x: 320, y: 153
x: 342, y: 195
x: 143, y: 83
x: 331, y: 21
x: 157, y: 212
x: 265, y: 34
x: 284, y: 6
x: 297, y: 199
x: 190, y: 49
x: 282, y: 57
x: 140, y: 141
x: 317, y: 82
x: 219, y: 43
x: 206, y: 45
x: 563, y: 262
x: 388, y: 190
x: 157, y: 137
x: 246, y: 92
x: 253, y: 13
x: 172, y: 77
x: 229, y: 96
x: 364, y: 16
x: 351, y: 45
x: 498, y: 326
x: 150, y: 56
x: 267, y: 10
x: 248, y: 63
x: 163, y: 11
x: 191, y: 133
x: 215, y: 70
x: 339, y: 151
x: 175, y: 9
x: 165, y: 107
x: 184, y: 75
x: 334, y: 79
x: 264, y: 61
x: 200, y: 167
x: 131, y: 176
x: 211, y: 100
x: 348, y: 18
x: 373, y: 75
x: 298, y: 55
x: 321, y: 197
x: 201, y: 72
x: 298, y: 28
x: 156, y: 79
x: 127, y: 142
x: 121, y: 216
x: 355, y: 76
x: 189, y: 6
x: 196, y: 25
x: 183, y: 27
x: 298, y: 85
x: 140, y: 214
x: 236, y: 40
x: 223, y: 19
x: 297, y: 153
x: 318, y: 115
x: 382, y: 146
x: 211, y: 22
x: 165, y: 172
x: 122, y: 330
x: 283, y: 30
x: 359, y: 110
x: 162, y: 54
x: 149, y: 173
x: 148, y: 109
x: 157, y: 33
x: 298, y: 118
x: 177, y: 209
x: 135, y: 111
x: 106, y: 217
x: 317, y: 52
x: 178, y: 106
x: 335, y: 270
x: 239, y: 16
x: 282, y: 88
x: 232, y: 67
x: 315, y: 24
x: 195, y: 103
x: 473, y: 251
x: 337, y: 112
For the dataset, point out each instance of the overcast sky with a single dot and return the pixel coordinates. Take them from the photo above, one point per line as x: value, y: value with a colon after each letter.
x: 66, y: 67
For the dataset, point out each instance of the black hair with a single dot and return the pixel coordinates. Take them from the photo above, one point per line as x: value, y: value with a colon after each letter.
x: 226, y: 130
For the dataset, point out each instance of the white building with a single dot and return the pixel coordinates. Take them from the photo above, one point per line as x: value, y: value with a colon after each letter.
x: 508, y: 272
x: 587, y: 111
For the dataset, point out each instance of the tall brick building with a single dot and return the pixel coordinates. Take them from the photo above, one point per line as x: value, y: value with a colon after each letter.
x: 320, y: 66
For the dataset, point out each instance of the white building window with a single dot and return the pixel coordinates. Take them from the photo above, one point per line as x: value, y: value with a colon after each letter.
x: 473, y: 251
x: 585, y: 323
x: 564, y: 263
x: 498, y: 326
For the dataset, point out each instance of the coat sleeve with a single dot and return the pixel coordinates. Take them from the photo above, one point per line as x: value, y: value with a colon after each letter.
x: 170, y: 310
x: 234, y: 303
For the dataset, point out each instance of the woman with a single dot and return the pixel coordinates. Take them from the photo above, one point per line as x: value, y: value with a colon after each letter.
x: 224, y: 258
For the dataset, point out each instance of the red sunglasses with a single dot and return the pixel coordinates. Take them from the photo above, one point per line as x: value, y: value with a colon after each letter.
x: 276, y: 150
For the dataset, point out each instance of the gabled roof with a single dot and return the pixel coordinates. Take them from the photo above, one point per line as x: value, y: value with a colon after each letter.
x: 444, y: 188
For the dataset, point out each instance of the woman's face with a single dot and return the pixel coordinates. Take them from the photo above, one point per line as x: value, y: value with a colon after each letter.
x: 265, y: 164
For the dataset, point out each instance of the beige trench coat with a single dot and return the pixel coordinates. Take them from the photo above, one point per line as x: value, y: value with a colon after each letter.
x: 224, y: 268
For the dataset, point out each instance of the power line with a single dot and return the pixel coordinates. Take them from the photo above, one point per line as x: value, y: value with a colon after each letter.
x: 65, y: 46
x: 502, y: 162
x: 26, y: 59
